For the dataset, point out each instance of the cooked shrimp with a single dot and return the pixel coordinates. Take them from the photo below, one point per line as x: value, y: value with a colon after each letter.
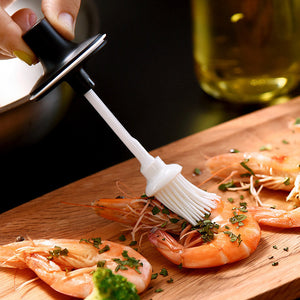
x: 276, y: 217
x: 228, y: 236
x: 276, y: 172
x: 139, y: 214
x: 67, y: 265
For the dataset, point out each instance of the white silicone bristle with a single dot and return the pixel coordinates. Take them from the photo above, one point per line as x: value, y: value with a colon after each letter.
x: 187, y: 200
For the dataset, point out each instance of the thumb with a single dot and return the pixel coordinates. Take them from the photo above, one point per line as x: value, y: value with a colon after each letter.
x: 62, y: 15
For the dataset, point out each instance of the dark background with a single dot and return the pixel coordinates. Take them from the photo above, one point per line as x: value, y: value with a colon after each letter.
x: 145, y: 75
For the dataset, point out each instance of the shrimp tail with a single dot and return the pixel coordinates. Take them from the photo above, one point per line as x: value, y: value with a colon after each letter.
x: 276, y: 217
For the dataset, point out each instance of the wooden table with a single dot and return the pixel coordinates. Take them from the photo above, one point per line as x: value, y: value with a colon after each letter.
x: 50, y: 217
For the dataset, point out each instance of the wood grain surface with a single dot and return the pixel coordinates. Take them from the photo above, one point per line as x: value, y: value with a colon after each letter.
x: 50, y: 217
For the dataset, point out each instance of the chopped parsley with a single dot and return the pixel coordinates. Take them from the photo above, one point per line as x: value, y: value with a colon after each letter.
x: 243, y: 207
x: 164, y: 272
x: 233, y: 237
x: 104, y: 249
x: 155, y: 210
x: 57, y: 251
x: 165, y: 211
x: 244, y: 165
x: 122, y: 238
x: 206, y: 228
x: 275, y: 263
x: 244, y: 175
x: 197, y: 171
x: 234, y: 150
x: 226, y: 186
x: 164, y: 224
x: 286, y: 181
x: 285, y: 142
x: 183, y: 225
x: 174, y: 220
x: 158, y: 290
x: 128, y: 261
x: 238, y: 218
x: 144, y: 196
x: 154, y: 275
x: 230, y: 199
x: 96, y: 242
x: 133, y: 243
x: 101, y: 263
x: 171, y: 280
x: 286, y: 249
x: 266, y: 147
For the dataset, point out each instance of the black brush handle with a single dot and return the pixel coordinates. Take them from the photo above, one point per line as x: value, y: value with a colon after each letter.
x: 48, y: 45
x: 59, y: 57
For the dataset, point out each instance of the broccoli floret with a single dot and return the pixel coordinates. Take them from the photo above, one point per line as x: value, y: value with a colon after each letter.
x: 109, y: 286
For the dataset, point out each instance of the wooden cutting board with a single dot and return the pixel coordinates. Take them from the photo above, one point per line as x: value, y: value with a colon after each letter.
x: 50, y: 217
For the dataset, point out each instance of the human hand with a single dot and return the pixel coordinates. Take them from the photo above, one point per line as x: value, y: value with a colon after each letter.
x: 61, y: 14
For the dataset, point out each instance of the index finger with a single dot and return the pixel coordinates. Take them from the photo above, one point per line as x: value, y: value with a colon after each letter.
x: 11, y: 38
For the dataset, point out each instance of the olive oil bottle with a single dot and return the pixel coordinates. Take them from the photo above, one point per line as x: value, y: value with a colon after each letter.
x: 246, y: 50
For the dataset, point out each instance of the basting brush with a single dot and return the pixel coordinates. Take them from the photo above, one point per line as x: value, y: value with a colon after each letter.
x: 164, y: 182
x: 61, y: 60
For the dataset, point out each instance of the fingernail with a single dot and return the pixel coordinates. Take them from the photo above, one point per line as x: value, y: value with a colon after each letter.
x: 67, y: 20
x: 31, y: 19
x: 27, y: 58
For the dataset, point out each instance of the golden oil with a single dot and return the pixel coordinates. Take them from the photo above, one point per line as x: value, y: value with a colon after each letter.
x: 246, y: 50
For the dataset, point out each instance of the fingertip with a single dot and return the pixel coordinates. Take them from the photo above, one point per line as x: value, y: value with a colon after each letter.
x: 62, y: 15
x: 63, y: 25
x: 25, y: 18
x: 67, y: 21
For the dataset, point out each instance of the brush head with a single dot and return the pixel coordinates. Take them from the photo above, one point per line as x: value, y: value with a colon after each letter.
x: 168, y: 185
x: 61, y: 59
x: 187, y: 200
